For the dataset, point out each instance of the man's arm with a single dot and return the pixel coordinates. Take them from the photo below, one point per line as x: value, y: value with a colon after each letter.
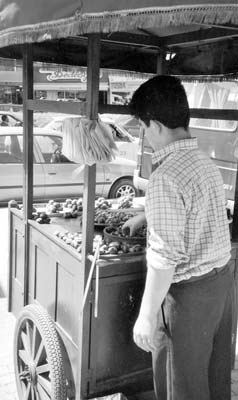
x: 156, y: 287
x: 166, y: 219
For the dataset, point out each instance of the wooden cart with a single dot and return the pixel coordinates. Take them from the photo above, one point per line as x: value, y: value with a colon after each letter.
x: 63, y: 351
x: 108, y: 360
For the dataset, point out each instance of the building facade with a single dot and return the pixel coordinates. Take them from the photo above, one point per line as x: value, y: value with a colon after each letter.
x: 66, y: 83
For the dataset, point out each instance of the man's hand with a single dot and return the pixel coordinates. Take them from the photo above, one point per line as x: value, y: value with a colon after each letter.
x: 156, y: 287
x: 133, y: 224
x: 144, y: 333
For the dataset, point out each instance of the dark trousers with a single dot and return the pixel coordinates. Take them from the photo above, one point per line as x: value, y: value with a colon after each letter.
x: 193, y: 358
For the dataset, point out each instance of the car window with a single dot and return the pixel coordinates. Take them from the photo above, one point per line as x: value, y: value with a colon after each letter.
x: 10, y: 149
x: 51, y: 147
x: 11, y: 120
x: 20, y: 143
x: 119, y: 135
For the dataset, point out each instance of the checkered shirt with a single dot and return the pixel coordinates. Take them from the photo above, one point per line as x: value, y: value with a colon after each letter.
x: 185, y: 212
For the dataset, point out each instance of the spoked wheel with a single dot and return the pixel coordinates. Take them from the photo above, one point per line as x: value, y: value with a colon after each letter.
x: 37, y: 357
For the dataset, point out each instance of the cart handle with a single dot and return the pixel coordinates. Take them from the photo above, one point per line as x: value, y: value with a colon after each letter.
x: 90, y: 276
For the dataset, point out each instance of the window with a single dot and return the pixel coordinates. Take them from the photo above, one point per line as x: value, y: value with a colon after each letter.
x: 10, y: 150
x: 60, y: 95
x: 51, y: 147
x: 9, y: 120
x: 119, y: 135
x: 40, y: 94
x: 70, y: 95
x: 212, y: 95
x: 73, y: 95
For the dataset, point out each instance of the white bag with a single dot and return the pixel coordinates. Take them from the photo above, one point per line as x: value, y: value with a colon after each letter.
x: 86, y: 141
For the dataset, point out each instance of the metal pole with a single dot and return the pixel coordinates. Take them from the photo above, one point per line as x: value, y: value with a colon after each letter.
x: 28, y: 157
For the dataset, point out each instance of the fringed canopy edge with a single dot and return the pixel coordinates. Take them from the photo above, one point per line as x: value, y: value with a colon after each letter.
x: 121, y: 21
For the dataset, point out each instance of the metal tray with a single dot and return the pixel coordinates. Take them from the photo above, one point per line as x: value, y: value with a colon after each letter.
x: 124, y: 255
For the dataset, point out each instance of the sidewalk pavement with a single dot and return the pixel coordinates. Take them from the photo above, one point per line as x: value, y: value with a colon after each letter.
x: 7, y: 378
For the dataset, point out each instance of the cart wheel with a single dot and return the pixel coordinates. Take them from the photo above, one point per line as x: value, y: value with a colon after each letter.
x: 38, y: 359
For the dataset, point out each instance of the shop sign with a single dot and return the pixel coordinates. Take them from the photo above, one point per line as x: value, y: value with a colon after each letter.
x: 57, y: 74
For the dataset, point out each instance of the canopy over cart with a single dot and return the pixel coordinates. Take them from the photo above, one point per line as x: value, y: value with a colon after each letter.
x: 201, y: 36
x: 188, y: 38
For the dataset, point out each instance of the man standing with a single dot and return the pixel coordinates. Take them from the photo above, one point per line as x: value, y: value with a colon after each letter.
x: 185, y: 312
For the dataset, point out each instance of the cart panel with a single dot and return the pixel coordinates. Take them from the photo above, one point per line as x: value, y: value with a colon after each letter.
x: 56, y: 281
x: 119, y: 365
x: 42, y: 275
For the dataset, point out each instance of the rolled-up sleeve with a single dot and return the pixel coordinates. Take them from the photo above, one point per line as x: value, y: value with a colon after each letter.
x: 166, y: 221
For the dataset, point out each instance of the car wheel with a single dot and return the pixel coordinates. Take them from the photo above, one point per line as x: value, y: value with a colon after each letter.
x: 123, y: 187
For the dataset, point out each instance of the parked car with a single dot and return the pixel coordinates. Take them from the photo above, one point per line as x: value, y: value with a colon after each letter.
x: 126, y: 143
x: 56, y: 177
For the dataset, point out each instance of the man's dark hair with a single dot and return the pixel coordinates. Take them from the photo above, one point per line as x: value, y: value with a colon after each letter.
x: 162, y: 98
x: 4, y: 117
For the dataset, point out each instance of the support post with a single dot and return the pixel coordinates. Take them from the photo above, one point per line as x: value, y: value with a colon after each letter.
x: 93, y: 72
x: 234, y: 234
x: 160, y: 64
x: 28, y: 157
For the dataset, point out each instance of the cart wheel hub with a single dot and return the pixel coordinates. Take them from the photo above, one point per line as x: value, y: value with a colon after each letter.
x: 33, y: 374
x: 29, y: 374
x: 25, y: 375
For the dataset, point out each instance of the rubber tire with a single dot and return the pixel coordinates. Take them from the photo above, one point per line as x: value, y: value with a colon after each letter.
x: 38, y: 316
x: 113, y: 194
